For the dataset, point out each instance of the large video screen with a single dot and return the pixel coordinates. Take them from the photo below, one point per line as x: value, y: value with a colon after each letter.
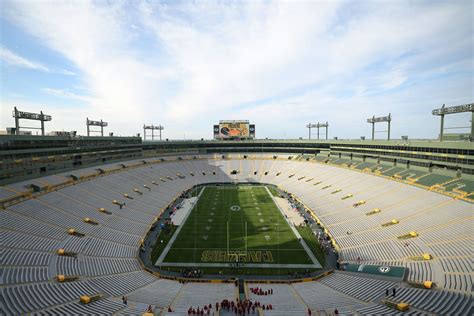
x: 233, y: 129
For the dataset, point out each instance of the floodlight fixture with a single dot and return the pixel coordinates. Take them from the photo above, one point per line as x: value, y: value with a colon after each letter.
x: 454, y: 110
x: 318, y: 125
x: 21, y: 115
x: 100, y: 123
x: 373, y: 120
x: 152, y: 128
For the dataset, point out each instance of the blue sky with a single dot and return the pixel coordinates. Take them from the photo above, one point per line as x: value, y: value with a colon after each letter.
x: 279, y: 64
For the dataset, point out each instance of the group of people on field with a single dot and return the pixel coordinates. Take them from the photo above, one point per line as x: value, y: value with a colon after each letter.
x: 241, y: 308
x: 191, y: 273
x: 259, y: 291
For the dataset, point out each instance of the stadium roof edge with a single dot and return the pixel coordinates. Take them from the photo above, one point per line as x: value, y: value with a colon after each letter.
x: 54, y: 137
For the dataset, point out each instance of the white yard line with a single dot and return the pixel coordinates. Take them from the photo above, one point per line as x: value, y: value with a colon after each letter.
x: 295, y: 231
x: 176, y: 233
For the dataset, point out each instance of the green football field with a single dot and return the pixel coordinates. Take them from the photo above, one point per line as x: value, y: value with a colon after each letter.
x: 236, y: 223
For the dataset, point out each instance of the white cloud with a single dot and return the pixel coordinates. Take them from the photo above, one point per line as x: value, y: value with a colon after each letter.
x: 11, y: 58
x: 243, y: 54
x: 277, y: 63
x: 66, y: 72
x: 68, y: 95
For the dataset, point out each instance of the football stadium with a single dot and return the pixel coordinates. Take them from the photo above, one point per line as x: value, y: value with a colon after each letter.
x: 236, y: 158
x: 364, y: 227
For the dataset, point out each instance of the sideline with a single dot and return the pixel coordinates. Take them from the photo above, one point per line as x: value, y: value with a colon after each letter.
x: 176, y: 233
x: 295, y: 231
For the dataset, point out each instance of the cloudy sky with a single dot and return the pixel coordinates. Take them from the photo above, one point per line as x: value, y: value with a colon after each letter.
x: 279, y: 64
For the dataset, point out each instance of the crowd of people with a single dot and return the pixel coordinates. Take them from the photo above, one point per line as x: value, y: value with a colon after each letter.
x: 241, y: 308
x: 259, y: 291
x: 324, y: 240
x: 326, y: 245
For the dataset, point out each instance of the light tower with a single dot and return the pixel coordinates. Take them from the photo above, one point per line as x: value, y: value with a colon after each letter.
x: 152, y: 128
x: 318, y: 126
x: 453, y: 110
x: 309, y: 127
x: 372, y: 120
x: 20, y: 115
x: 100, y: 123
x: 321, y: 125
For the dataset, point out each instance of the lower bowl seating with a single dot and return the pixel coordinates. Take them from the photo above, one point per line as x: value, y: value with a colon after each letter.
x: 105, y: 258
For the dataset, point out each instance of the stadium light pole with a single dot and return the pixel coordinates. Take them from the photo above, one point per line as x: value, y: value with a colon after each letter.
x: 20, y: 115
x: 309, y: 126
x: 100, y: 123
x: 372, y: 120
x: 326, y: 125
x: 441, y: 112
x: 152, y: 128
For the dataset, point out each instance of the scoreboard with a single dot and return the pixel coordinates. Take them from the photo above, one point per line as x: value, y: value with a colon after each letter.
x: 235, y: 129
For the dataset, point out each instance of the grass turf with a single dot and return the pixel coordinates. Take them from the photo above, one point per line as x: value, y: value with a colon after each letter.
x: 273, y: 191
x: 158, y: 246
x: 206, y: 228
x: 312, y: 243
